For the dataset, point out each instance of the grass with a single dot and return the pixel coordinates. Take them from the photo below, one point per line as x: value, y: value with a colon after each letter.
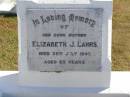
x: 121, y: 35
x: 8, y: 42
x: 120, y: 40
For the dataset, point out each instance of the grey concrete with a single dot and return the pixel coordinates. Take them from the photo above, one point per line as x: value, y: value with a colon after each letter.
x: 7, y: 6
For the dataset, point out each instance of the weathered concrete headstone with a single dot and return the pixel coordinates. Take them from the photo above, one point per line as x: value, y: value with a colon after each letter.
x: 65, y: 44
x: 64, y: 39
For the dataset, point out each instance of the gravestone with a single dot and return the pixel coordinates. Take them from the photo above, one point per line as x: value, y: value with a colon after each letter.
x: 65, y: 43
x: 64, y: 39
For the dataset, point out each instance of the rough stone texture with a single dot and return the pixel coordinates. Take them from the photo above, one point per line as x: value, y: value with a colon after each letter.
x: 70, y: 21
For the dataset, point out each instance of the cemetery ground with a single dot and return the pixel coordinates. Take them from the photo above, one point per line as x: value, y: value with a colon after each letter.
x: 120, y: 38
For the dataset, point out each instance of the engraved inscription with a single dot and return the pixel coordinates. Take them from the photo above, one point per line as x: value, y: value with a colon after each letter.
x: 64, y: 39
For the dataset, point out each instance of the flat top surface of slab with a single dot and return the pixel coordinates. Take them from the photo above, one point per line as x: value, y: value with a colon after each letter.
x: 66, y: 1
x: 7, y: 5
x: 9, y: 86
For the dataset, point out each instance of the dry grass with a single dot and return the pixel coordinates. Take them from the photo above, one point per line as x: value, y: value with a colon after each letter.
x: 121, y: 35
x: 8, y: 43
x: 120, y: 48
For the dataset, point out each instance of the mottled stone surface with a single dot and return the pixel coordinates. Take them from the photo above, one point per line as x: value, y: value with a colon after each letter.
x: 64, y: 39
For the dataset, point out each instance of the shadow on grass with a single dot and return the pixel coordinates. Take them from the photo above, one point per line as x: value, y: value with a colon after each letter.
x: 4, y: 14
